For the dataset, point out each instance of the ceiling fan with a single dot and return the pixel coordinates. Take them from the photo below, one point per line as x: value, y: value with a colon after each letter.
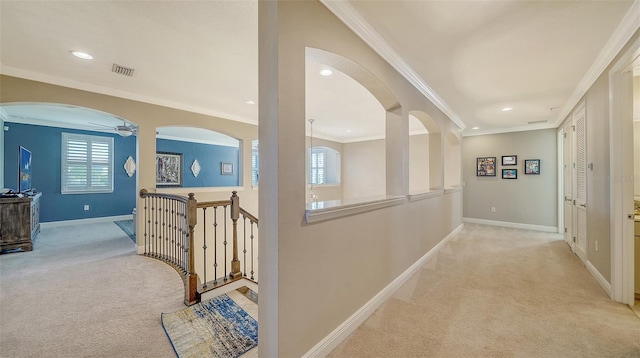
x: 123, y: 130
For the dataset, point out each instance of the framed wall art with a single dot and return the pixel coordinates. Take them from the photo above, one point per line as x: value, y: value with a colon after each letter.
x: 486, y: 166
x: 226, y: 168
x: 509, y: 173
x: 168, y: 169
x: 532, y: 166
x: 509, y: 160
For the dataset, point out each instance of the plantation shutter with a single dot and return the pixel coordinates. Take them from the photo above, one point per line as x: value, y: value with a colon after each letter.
x: 87, y: 164
x: 581, y: 159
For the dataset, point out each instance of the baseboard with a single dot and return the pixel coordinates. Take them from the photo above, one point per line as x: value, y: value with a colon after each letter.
x: 511, y: 225
x: 598, y: 276
x: 333, y: 339
x: 85, y: 221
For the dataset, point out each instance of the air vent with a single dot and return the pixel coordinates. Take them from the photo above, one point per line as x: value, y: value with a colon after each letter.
x: 122, y: 70
x: 534, y: 122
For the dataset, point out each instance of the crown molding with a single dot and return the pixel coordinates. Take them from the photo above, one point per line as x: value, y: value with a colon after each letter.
x: 352, y: 18
x: 627, y: 27
x: 530, y: 127
x: 59, y: 81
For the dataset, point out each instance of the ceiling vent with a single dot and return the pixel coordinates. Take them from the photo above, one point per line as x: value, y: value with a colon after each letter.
x: 122, y: 70
x: 536, y: 122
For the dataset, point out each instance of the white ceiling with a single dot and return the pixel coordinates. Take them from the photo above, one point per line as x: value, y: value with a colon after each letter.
x: 476, y: 56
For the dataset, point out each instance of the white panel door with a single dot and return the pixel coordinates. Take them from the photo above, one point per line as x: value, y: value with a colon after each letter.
x: 567, y: 180
x: 581, y: 185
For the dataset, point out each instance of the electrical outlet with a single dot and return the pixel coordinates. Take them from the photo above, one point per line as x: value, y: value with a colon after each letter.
x: 596, y: 245
x: 493, y: 209
x: 86, y: 207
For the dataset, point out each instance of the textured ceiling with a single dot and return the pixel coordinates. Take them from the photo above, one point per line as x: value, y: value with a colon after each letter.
x: 477, y: 56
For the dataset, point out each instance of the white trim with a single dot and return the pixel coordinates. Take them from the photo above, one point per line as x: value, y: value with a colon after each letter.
x: 453, y: 189
x: 425, y: 195
x: 317, y: 215
x: 560, y: 160
x: 598, y: 276
x: 628, y: 26
x: 35, y: 76
x: 85, y: 221
x: 200, y: 141
x: 352, y: 18
x: 543, y: 228
x: 622, y: 261
x: 333, y: 339
x: 530, y: 127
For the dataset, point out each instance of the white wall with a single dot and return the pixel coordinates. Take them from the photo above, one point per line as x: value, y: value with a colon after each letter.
x: 530, y: 199
x: 364, y: 172
x: 1, y: 153
x: 419, y: 163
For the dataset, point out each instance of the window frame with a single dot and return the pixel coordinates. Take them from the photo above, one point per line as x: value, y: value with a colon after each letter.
x: 90, y: 163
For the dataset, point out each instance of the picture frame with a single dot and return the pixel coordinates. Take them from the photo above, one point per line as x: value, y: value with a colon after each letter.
x: 226, y: 168
x: 24, y: 171
x: 509, y: 160
x: 486, y: 166
x: 532, y: 166
x: 509, y: 173
x: 168, y: 169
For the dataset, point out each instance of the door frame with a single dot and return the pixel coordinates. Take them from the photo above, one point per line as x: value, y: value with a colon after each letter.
x: 621, y: 190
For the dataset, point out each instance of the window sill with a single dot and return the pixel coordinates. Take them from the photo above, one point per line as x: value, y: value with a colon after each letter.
x: 333, y: 209
x: 453, y: 189
x: 425, y: 195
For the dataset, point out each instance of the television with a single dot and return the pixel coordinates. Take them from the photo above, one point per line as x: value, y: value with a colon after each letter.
x: 24, y: 173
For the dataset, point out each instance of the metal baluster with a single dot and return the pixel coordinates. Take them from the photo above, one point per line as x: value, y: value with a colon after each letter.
x: 204, y: 247
x: 225, y: 243
x: 146, y: 225
x: 252, y: 250
x: 153, y: 232
x: 244, y: 244
x: 215, y: 245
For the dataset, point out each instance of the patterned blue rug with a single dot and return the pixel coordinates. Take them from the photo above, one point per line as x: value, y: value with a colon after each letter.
x: 214, y: 328
x: 127, y: 227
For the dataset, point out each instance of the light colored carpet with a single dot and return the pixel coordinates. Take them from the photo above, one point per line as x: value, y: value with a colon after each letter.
x: 498, y: 292
x: 83, y: 292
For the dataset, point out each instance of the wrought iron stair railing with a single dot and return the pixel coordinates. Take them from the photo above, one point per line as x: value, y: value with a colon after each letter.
x: 171, y: 233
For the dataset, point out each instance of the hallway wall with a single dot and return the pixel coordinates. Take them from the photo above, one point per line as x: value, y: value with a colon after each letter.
x: 530, y: 199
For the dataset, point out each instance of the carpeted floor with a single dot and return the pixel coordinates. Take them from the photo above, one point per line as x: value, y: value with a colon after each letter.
x: 498, y: 292
x: 84, y: 292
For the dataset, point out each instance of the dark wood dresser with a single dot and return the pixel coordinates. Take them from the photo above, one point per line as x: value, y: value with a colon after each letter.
x: 19, y: 222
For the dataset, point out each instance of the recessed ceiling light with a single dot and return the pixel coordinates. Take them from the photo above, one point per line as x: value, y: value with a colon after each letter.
x: 250, y: 102
x: 474, y: 128
x: 348, y: 130
x: 326, y: 72
x: 505, y: 109
x: 82, y: 55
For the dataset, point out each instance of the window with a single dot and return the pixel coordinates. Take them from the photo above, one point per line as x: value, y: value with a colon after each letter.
x: 87, y: 164
x: 324, y: 166
x: 317, y: 168
x: 254, y: 163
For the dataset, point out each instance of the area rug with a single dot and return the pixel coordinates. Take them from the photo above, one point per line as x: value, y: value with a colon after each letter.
x: 127, y: 227
x: 214, y: 328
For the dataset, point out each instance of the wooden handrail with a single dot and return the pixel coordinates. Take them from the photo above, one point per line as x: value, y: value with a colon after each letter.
x: 248, y: 215
x: 211, y: 204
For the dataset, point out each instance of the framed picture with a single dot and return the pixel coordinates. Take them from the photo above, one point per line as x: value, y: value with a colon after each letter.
x: 168, y: 169
x: 532, y: 166
x: 24, y: 172
x: 509, y: 160
x: 509, y: 173
x: 226, y: 168
x: 486, y: 166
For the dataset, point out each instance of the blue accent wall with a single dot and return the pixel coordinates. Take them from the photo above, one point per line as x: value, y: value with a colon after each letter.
x: 209, y: 156
x: 45, y: 144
